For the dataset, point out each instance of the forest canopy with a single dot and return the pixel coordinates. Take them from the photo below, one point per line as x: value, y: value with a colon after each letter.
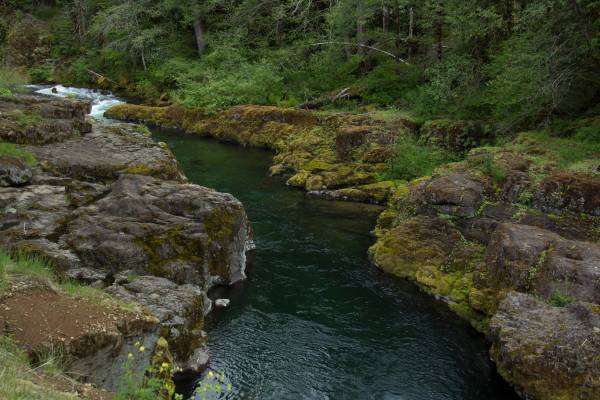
x: 516, y: 63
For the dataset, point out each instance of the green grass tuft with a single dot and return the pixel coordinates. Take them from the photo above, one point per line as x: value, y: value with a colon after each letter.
x: 413, y: 160
x: 9, y: 149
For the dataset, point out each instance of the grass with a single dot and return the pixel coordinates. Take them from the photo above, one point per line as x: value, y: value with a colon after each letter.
x: 413, y: 160
x: 19, y: 381
x: 25, y: 264
x: 561, y: 300
x: 9, y: 149
x: 571, y: 154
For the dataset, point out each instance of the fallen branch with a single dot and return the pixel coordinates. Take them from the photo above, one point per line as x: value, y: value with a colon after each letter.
x: 387, y: 53
x: 101, y: 77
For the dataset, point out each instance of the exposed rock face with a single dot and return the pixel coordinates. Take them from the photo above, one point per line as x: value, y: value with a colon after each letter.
x: 180, y: 308
x: 336, y: 156
x: 570, y: 192
x: 111, y: 208
x: 14, y: 171
x: 480, y: 236
x: 548, y: 352
x: 33, y: 120
x: 186, y: 233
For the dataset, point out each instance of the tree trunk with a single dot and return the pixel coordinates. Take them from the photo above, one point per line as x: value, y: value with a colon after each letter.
x: 79, y: 14
x: 144, y: 60
x: 199, y: 32
x: 385, y: 19
x: 438, y: 28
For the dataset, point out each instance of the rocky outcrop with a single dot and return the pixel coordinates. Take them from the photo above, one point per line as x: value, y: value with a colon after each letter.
x: 515, y: 254
x: 111, y: 208
x: 14, y: 171
x: 547, y: 352
x: 337, y: 156
x: 33, y: 120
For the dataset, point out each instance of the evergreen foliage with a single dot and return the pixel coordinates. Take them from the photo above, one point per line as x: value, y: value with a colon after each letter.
x: 512, y: 63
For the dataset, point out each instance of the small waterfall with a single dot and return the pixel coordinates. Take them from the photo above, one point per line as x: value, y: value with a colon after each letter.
x: 101, y: 100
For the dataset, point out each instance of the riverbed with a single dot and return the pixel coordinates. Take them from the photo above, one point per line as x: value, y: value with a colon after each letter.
x: 315, y: 320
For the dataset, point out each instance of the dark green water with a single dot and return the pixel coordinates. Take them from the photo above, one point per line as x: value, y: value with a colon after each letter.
x: 314, y: 320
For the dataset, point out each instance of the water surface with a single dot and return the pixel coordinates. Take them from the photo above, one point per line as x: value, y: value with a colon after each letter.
x: 314, y: 320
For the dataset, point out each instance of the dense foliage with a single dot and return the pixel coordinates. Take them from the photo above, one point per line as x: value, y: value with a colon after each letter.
x: 518, y: 63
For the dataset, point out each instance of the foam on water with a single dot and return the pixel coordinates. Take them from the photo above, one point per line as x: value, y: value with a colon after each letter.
x: 101, y: 101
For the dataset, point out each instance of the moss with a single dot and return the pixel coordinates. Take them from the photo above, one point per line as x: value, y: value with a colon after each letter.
x: 219, y: 226
x: 305, y: 142
x: 169, y: 246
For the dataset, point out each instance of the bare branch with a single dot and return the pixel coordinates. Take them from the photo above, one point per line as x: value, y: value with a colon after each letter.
x: 395, y: 57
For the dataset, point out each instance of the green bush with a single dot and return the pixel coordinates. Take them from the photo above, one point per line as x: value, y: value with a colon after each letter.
x: 413, y: 160
x: 561, y: 300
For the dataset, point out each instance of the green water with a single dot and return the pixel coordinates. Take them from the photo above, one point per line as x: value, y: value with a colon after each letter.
x: 315, y: 320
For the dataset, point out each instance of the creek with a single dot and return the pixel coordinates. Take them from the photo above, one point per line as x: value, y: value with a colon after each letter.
x: 314, y: 320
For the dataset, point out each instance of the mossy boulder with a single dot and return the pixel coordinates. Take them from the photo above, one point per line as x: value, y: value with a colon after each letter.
x: 455, y: 135
x: 567, y: 191
x: 546, y: 352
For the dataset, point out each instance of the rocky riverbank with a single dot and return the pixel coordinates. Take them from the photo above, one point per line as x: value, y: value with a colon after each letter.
x: 334, y: 155
x: 508, y: 238
x: 110, y: 208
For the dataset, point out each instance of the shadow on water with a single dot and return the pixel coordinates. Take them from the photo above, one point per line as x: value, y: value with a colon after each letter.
x: 314, y: 320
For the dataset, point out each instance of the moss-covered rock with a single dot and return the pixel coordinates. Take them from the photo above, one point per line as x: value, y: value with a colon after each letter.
x: 322, y: 151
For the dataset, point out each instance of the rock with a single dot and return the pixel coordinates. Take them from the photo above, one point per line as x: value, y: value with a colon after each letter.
x: 547, y: 352
x: 14, y: 171
x: 530, y: 259
x: 179, y: 308
x: 190, y: 369
x: 515, y: 255
x: 112, y: 205
x: 222, y: 303
x: 571, y: 269
x: 185, y: 233
x: 37, y: 120
x: 455, y: 135
x: 104, y: 154
x: 567, y: 191
x: 456, y: 194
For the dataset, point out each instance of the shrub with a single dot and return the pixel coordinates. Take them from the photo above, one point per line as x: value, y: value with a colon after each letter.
x: 561, y: 300
x: 413, y: 160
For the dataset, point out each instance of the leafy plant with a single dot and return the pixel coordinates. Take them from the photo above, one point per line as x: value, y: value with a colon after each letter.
x: 561, y: 300
x: 413, y: 160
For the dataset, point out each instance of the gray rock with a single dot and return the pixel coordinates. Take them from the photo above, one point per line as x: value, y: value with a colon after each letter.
x: 179, y: 308
x: 456, y: 194
x: 223, y: 303
x: 14, y: 171
x: 547, y: 352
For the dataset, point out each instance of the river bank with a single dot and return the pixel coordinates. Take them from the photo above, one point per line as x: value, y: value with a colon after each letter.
x: 489, y: 236
x: 106, y: 206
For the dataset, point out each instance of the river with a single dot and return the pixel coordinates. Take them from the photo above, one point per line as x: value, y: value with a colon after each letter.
x: 315, y: 320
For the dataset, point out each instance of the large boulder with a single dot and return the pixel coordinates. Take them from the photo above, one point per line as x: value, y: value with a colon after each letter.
x: 107, y: 152
x: 179, y: 308
x: 547, y: 353
x: 14, y: 171
x: 457, y: 194
x: 567, y: 191
x: 183, y: 232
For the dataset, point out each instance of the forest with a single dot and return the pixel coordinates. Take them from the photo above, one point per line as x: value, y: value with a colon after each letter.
x: 511, y: 64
